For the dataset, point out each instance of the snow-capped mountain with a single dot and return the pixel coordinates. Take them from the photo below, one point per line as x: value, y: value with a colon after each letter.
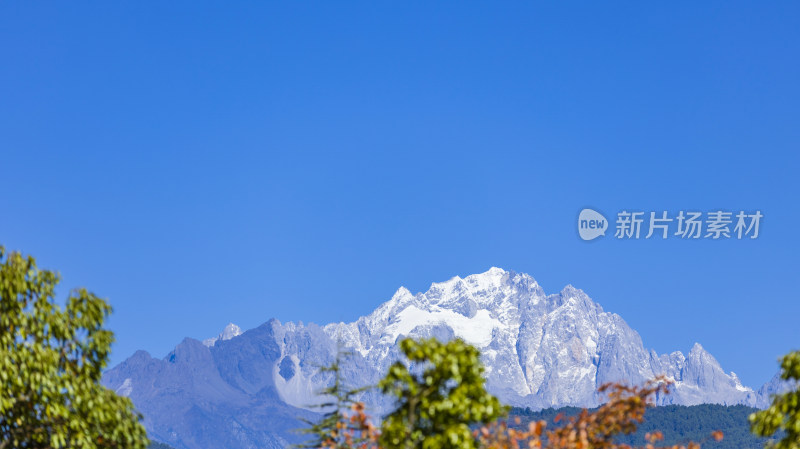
x: 539, y: 350
x: 230, y: 331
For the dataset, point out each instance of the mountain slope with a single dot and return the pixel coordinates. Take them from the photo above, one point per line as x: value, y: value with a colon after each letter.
x: 218, y: 397
x: 247, y: 389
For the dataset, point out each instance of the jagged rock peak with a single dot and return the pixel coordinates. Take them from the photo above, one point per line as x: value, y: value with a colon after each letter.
x: 230, y: 331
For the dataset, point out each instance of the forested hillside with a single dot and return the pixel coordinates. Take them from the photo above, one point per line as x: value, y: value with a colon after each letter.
x: 680, y: 424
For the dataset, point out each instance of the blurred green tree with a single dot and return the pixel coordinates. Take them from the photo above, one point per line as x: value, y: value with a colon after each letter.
x: 51, y: 361
x: 784, y: 413
x: 439, y: 398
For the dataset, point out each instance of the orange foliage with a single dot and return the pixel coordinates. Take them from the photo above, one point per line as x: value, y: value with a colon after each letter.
x: 596, y: 429
x: 354, y: 431
x: 621, y: 414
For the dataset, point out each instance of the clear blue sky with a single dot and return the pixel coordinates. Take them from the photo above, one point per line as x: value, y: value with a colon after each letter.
x: 205, y: 162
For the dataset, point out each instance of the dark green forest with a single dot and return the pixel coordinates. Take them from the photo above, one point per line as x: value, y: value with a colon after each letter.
x: 680, y: 424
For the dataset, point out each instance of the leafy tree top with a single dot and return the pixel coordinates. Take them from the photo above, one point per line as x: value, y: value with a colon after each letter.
x: 784, y: 412
x: 439, y: 398
x: 51, y: 361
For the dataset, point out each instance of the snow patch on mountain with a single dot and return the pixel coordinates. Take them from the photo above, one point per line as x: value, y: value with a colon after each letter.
x: 476, y: 330
x: 125, y: 389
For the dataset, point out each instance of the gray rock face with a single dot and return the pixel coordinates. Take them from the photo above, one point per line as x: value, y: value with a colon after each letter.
x: 222, y: 396
x: 247, y: 390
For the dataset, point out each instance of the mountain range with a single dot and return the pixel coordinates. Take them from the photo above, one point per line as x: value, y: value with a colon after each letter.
x: 250, y: 389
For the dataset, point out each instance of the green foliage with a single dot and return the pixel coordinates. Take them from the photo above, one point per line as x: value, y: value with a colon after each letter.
x: 680, y: 424
x: 331, y: 429
x: 51, y: 361
x: 784, y: 413
x: 437, y: 406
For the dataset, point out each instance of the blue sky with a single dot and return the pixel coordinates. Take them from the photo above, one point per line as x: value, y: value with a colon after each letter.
x: 198, y: 163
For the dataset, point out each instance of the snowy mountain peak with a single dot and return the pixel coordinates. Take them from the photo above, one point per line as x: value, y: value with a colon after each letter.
x: 540, y: 350
x: 401, y: 293
x: 230, y: 331
x: 488, y: 280
x: 570, y: 291
x: 697, y: 348
x: 492, y: 278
